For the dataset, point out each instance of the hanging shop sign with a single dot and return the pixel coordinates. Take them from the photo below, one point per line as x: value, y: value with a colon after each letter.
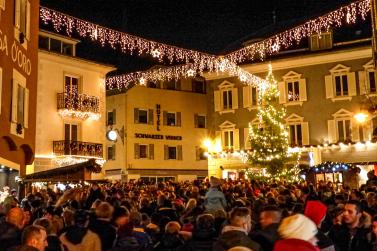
x: 158, y: 112
x: 157, y: 136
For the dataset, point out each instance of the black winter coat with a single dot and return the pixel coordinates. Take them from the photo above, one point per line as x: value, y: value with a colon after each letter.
x: 341, y: 236
x: 235, y: 238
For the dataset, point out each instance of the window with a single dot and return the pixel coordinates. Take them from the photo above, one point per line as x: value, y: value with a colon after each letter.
x: 200, y: 121
x: 20, y: 106
x: 152, y: 84
x: 320, y: 41
x: 200, y: 153
x: 228, y: 139
x: 198, y: 85
x: 111, y: 117
x: 56, y: 45
x: 292, y: 89
x: 372, y: 81
x: 144, y: 151
x: 226, y: 98
x: 143, y: 116
x: 173, y: 84
x: 344, y: 130
x: 111, y: 152
x: 173, y: 152
x: 367, y: 79
x: 229, y: 136
x: 22, y: 19
x: 250, y: 97
x: 295, y: 135
x: 172, y: 118
x: 340, y: 84
x: 254, y: 97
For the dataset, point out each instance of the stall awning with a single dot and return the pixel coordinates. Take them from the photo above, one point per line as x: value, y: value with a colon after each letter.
x: 76, y: 172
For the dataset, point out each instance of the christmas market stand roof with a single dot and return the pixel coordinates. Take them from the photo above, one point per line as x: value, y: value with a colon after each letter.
x: 331, y: 167
x: 75, y: 172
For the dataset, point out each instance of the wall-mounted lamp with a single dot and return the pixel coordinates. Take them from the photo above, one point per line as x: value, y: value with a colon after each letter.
x: 112, y: 134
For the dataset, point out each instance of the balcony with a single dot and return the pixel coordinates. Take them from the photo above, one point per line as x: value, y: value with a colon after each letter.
x: 77, y: 148
x: 80, y: 106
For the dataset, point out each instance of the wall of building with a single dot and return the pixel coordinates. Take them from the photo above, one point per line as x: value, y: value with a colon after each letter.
x: 17, y: 61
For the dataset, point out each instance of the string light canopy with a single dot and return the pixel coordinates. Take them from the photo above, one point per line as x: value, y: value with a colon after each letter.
x: 345, y: 15
x: 331, y: 167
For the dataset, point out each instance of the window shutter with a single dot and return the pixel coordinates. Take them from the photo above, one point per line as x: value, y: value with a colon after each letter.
x: 114, y: 152
x: 197, y: 152
x: 137, y: 151
x: 302, y: 90
x: 150, y: 116
x: 28, y: 20
x: 234, y: 98
x: 219, y: 136
x: 14, y: 101
x: 195, y: 120
x: 368, y: 130
x: 236, y: 139
x: 165, y: 117
x: 151, y: 151
x: 362, y: 82
x: 355, y: 132
x: 329, y: 86
x: 17, y: 13
x: 114, y: 116
x: 282, y: 95
x: 136, y: 115
x: 178, y: 118
x: 331, y: 131
x: 166, y: 152
x: 246, y: 137
x: 26, y: 108
x: 305, y: 133
x: 246, y: 96
x: 179, y: 152
x: 217, y: 101
x: 351, y: 84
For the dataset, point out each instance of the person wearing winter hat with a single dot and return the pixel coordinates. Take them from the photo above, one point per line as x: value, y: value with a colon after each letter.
x: 298, y: 233
x: 214, y: 199
x: 316, y: 211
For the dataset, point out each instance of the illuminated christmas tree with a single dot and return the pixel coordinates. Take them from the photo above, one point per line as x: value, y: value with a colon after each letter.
x: 269, y: 139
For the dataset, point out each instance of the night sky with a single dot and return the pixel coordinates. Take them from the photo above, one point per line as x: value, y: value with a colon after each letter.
x: 212, y: 26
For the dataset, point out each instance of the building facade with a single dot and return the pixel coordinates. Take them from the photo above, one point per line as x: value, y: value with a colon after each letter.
x: 322, y: 91
x: 18, y: 87
x: 71, y: 107
x: 160, y: 129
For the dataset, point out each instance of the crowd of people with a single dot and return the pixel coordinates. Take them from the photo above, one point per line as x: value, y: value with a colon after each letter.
x: 212, y: 214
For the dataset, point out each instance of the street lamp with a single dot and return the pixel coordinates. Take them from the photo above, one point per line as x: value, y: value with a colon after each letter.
x: 361, y: 117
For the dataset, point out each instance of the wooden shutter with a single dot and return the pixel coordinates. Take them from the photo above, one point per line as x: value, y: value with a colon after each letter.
x: 26, y: 108
x: 114, y: 116
x: 234, y: 98
x: 331, y: 131
x: 217, y: 101
x: 351, y: 84
x: 151, y: 151
x: 150, y: 116
x: 165, y: 117
x: 362, y: 82
x: 329, y: 86
x: 368, y: 130
x: 166, y: 152
x: 302, y: 90
x: 14, y: 101
x: 355, y: 133
x: 136, y: 115
x: 17, y: 13
x: 305, y: 133
x: 114, y: 152
x: 246, y: 96
x: 179, y: 152
x: 196, y: 120
x: 246, y: 136
x: 28, y: 20
x: 137, y: 151
x: 282, y: 94
x: 178, y: 122
x: 236, y: 139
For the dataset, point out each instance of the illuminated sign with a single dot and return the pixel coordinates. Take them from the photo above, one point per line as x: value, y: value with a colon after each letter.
x: 156, y: 136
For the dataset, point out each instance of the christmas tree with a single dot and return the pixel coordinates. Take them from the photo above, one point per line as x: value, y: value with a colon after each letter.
x: 269, y: 139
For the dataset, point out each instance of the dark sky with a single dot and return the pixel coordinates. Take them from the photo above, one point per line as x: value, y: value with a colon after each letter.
x: 204, y: 25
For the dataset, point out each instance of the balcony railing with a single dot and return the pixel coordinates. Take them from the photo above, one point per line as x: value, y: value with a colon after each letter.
x: 77, y: 148
x: 78, y: 105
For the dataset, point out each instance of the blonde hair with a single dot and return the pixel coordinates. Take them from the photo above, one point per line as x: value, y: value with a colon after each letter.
x: 104, y: 210
x: 191, y: 204
x: 172, y: 227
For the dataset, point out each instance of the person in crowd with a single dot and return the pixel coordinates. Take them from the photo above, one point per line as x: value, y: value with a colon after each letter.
x: 236, y: 233
x: 11, y: 229
x: 78, y: 237
x: 269, y: 220
x: 316, y: 211
x: 352, y: 234
x: 214, y: 198
x: 101, y: 225
x: 373, y: 234
x: 171, y: 240
x: 34, y: 237
x: 298, y: 233
x: 53, y: 241
x: 139, y: 232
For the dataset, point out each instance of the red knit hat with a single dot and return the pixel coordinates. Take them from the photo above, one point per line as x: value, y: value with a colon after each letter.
x: 294, y: 244
x: 315, y: 210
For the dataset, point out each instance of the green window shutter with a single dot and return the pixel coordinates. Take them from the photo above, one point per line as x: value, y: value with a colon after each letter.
x: 136, y: 115
x: 165, y: 117
x: 151, y: 151
x: 150, y: 116
x: 137, y: 151
x: 166, y: 152
x: 178, y: 118
x: 179, y: 152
